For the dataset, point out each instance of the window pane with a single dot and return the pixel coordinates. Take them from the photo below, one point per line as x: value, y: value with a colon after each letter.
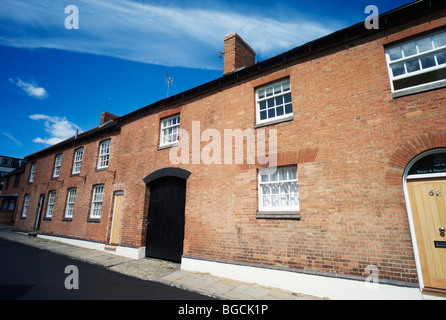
x: 262, y: 115
x: 398, y: 69
x: 428, y: 61
x: 424, y: 45
x: 412, y: 65
x: 286, y: 86
x: 11, y: 204
x: 395, y: 53
x: 267, y: 201
x: 441, y: 57
x: 284, y: 188
x: 279, y: 111
x: 265, y: 178
x: 279, y: 101
x: 271, y: 113
x: 269, y: 92
x: 287, y: 98
x: 274, y: 189
x: 273, y: 177
x: 292, y: 173
x: 261, y: 94
x: 293, y: 187
x: 409, y: 49
x: 262, y: 105
x: 282, y: 174
x: 440, y: 39
x: 270, y: 103
x: 277, y: 89
x: 288, y: 108
x: 275, y: 201
x: 284, y: 200
x: 294, y: 200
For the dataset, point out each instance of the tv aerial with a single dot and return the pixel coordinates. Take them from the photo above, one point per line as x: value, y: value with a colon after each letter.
x: 169, y: 81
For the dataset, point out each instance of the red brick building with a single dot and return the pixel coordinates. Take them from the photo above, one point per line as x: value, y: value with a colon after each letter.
x: 10, y: 187
x: 354, y: 122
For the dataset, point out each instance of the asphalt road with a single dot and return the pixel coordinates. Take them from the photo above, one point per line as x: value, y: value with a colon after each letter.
x: 28, y: 273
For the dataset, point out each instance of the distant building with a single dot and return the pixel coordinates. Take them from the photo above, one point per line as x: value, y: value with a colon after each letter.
x: 11, y: 170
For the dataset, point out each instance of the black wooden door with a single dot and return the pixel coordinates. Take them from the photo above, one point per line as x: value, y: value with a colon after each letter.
x: 165, y: 229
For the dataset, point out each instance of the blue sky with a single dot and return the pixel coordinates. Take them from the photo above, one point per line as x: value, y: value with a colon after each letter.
x: 54, y: 80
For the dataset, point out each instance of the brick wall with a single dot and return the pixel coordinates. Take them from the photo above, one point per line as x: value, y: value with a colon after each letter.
x: 346, y: 138
x: 78, y: 227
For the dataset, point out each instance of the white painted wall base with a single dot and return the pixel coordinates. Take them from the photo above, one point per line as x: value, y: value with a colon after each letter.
x: 319, y: 286
x: 132, y: 253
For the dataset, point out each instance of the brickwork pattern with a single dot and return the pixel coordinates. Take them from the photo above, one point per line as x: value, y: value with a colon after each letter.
x: 349, y: 138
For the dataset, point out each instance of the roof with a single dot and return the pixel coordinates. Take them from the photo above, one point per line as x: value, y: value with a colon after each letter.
x: 15, y: 171
x: 387, y: 20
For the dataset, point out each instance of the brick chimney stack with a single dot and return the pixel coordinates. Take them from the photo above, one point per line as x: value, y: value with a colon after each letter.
x: 106, y: 117
x: 237, y: 54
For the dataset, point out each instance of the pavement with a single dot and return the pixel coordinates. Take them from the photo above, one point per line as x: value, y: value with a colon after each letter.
x: 160, y: 271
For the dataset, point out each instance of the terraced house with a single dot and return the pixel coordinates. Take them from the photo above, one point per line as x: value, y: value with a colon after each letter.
x: 354, y: 122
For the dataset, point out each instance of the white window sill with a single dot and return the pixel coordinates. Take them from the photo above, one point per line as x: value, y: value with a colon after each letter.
x: 170, y: 145
x: 291, y: 215
x: 289, y: 117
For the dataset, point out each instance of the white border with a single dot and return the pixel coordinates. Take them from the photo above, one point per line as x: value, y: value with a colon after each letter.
x: 132, y: 253
x: 315, y: 285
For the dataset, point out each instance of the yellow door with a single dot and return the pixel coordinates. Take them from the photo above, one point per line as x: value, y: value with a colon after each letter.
x: 428, y: 206
x: 117, y: 218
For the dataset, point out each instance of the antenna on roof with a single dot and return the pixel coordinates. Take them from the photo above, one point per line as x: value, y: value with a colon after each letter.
x: 169, y: 80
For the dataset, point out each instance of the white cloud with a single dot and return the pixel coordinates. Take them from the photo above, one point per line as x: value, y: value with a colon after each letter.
x: 31, y: 89
x: 151, y: 33
x: 59, y: 128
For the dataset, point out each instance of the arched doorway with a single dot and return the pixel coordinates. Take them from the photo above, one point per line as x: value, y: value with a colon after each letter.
x: 425, y: 191
x: 166, y: 220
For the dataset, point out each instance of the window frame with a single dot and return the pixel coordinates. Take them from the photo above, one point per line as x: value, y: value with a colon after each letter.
x: 50, y: 205
x: 258, y: 100
x: 164, y: 128
x: 32, y: 172
x: 8, y: 161
x: 25, y: 205
x: 5, y: 203
x: 11, y: 204
x: 71, y: 199
x: 16, y: 183
x: 7, y: 179
x: 95, y: 201
x: 291, y: 209
x: 417, y: 56
x: 57, y: 165
x: 104, y: 156
x: 76, y: 160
